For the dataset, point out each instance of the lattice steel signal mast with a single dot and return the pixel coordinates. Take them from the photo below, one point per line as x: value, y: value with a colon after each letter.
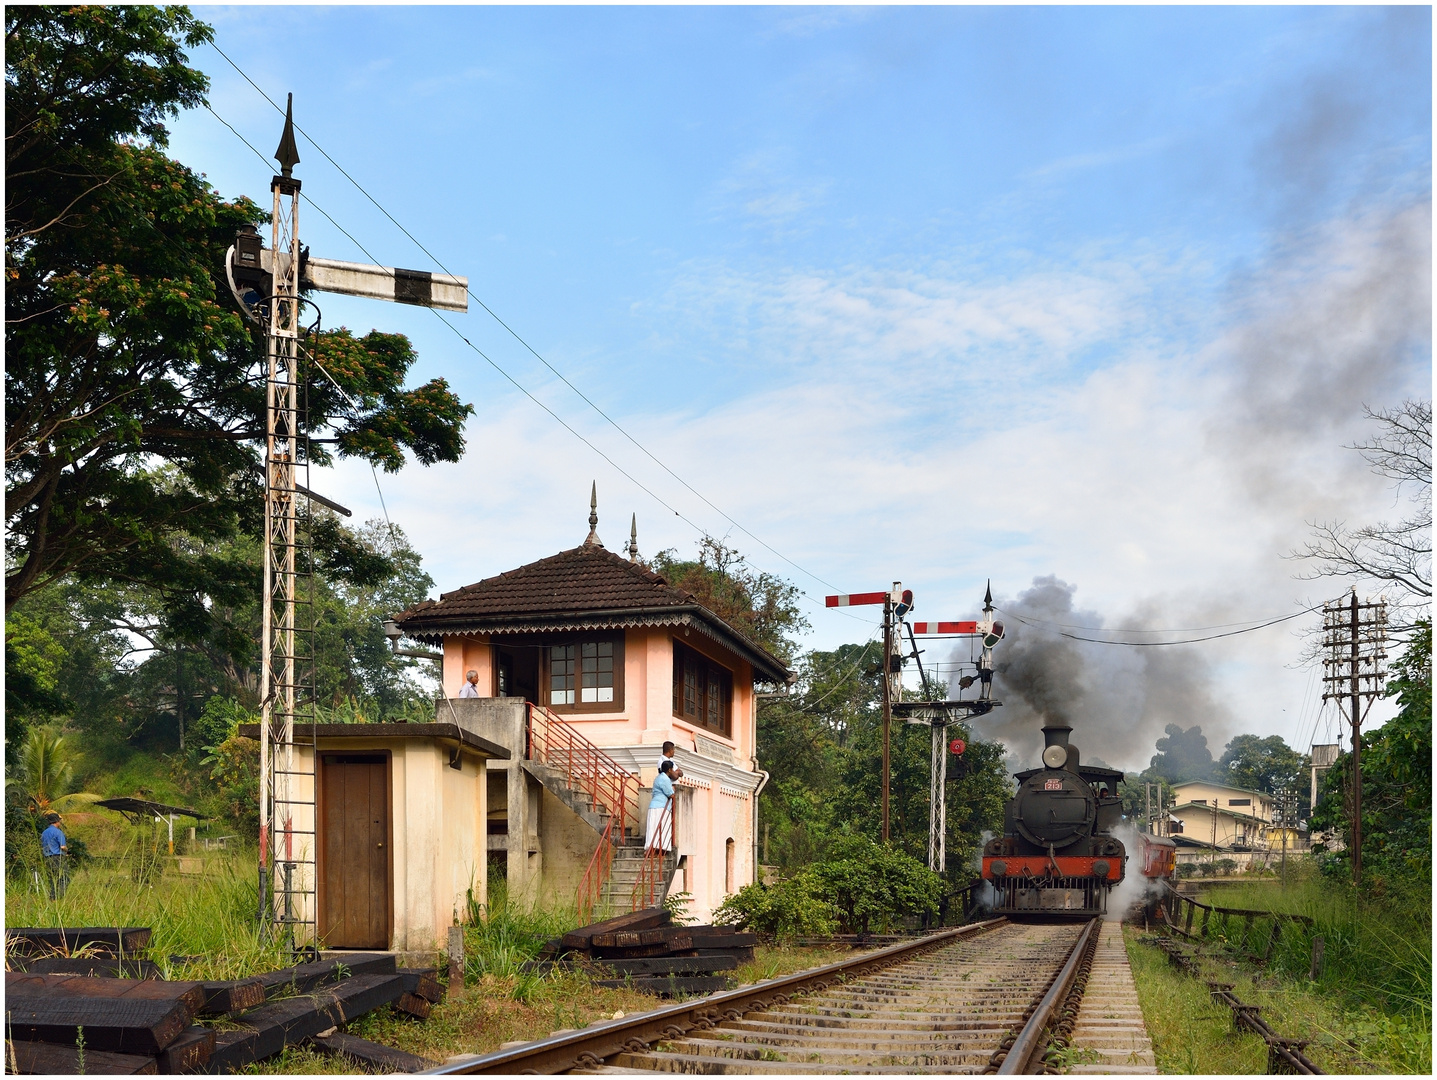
x: 267, y: 283
x: 939, y: 715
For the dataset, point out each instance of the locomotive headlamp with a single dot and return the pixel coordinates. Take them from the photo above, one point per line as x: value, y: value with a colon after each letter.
x: 1055, y: 756
x: 998, y: 867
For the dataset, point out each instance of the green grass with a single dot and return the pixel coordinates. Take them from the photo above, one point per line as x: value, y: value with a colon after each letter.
x: 1193, y: 1034
x: 1377, y: 943
x: 210, y: 917
x: 504, y: 935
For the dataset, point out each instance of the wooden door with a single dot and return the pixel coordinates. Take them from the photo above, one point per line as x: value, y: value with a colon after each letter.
x: 354, y: 851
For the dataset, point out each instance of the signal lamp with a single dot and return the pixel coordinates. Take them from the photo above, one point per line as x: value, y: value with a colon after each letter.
x: 1101, y: 868
x: 904, y: 604
x: 997, y: 868
x: 993, y: 635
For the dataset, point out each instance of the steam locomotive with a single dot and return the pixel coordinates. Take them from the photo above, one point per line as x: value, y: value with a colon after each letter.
x: 1057, y: 855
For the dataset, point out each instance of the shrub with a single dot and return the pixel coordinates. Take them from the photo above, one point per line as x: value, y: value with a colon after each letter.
x: 861, y: 887
x: 874, y: 885
x: 1225, y: 867
x: 795, y: 907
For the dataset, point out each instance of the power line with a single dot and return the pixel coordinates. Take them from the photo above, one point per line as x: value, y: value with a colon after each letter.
x: 1152, y: 644
x: 520, y: 387
x: 560, y: 375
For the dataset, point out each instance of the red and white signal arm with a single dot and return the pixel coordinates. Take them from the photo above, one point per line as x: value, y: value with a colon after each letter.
x: 958, y: 746
x: 969, y: 627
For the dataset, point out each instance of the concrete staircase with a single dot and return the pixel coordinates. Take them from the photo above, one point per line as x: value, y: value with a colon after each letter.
x: 625, y: 871
x: 596, y: 817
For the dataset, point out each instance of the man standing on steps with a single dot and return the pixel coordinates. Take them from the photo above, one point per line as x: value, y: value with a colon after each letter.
x: 54, y: 849
x: 659, y: 832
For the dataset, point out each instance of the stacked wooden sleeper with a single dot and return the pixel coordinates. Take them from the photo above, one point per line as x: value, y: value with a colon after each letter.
x: 646, y: 951
x: 145, y: 1025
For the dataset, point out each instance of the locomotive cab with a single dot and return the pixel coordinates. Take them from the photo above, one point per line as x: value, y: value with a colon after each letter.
x: 1057, y: 854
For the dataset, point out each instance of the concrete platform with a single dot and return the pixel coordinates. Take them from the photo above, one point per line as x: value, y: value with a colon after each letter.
x: 1110, y: 1035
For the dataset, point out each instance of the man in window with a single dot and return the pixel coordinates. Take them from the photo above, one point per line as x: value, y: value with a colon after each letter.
x: 471, y: 685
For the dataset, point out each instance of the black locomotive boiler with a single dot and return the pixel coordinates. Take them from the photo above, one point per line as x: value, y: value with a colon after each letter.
x: 1057, y: 855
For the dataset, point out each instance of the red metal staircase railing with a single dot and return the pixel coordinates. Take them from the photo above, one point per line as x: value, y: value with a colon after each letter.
x: 649, y: 886
x: 585, y: 767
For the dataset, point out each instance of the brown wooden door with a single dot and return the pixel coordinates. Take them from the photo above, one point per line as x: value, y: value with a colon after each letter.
x: 354, y: 892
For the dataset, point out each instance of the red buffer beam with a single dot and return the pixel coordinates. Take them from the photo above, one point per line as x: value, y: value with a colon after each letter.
x: 970, y: 627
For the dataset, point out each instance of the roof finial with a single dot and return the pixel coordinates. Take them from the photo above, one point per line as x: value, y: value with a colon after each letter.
x: 592, y: 540
x: 634, y: 538
x: 287, y: 154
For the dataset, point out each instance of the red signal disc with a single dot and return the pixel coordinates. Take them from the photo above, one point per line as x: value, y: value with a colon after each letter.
x: 957, y: 746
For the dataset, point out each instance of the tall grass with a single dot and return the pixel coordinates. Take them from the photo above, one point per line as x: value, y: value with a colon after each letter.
x: 210, y: 918
x: 505, y: 934
x: 1377, y: 945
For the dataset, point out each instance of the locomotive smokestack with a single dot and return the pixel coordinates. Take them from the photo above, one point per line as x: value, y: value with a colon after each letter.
x: 1056, y: 734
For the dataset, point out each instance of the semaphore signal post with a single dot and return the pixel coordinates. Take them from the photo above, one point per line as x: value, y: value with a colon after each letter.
x: 938, y: 715
x: 267, y: 284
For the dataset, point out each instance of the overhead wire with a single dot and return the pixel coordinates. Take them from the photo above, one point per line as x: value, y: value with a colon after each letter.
x: 517, y: 337
x: 492, y: 363
x: 1153, y: 644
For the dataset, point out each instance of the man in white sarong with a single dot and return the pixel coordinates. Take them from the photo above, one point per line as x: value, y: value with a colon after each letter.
x: 659, y: 833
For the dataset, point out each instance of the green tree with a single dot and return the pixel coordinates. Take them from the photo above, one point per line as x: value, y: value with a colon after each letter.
x: 762, y: 605
x: 1262, y: 764
x: 1183, y: 755
x: 44, y: 777
x: 122, y: 352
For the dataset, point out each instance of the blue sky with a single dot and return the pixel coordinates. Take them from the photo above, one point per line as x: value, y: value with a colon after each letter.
x: 931, y: 294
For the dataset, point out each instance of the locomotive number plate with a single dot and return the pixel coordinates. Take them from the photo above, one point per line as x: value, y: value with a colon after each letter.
x: 1052, y: 785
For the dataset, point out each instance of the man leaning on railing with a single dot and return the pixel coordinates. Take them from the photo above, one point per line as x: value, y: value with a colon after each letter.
x: 659, y: 832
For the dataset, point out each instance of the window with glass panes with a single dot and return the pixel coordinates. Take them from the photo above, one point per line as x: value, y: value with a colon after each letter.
x: 586, y: 674
x: 703, y: 690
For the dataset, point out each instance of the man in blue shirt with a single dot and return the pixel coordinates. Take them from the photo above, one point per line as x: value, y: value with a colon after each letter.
x: 658, y: 835
x: 54, y: 848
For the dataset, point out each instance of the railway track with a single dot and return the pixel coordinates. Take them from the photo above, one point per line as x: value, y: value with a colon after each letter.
x: 990, y: 997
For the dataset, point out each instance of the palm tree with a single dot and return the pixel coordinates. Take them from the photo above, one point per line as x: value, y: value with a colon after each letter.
x: 45, y: 773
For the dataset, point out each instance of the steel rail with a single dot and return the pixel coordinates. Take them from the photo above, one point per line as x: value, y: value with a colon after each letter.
x: 589, y: 1047
x: 1030, y: 1041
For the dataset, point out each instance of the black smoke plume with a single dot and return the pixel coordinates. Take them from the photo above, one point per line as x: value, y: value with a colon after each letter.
x: 1117, y: 699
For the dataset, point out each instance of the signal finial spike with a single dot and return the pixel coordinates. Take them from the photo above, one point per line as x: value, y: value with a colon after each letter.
x: 988, y: 597
x: 287, y: 154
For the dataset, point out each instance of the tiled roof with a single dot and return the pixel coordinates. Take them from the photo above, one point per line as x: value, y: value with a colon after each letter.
x: 582, y: 588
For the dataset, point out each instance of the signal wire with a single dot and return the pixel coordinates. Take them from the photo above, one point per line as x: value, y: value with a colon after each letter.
x: 517, y: 385
x: 1149, y: 644
x: 515, y: 334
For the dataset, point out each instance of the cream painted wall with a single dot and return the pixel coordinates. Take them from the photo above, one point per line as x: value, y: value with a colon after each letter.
x: 1198, y: 790
x: 438, y: 816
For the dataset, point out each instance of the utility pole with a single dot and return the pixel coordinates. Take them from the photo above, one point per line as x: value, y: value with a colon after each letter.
x: 887, y: 699
x: 1355, y: 667
x: 1148, y: 813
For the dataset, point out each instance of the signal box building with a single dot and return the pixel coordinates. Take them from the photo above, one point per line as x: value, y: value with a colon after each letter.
x: 587, y: 663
